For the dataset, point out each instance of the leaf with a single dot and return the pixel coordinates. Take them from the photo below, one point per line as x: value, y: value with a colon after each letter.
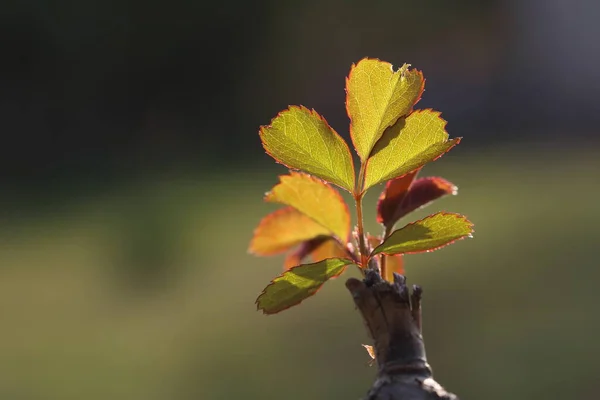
x: 376, y: 97
x: 317, y: 249
x: 396, y: 200
x: 283, y: 229
x: 314, y: 198
x: 329, y: 249
x: 304, y: 250
x: 394, y: 263
x: 301, y: 139
x: 408, y: 145
x: 392, y: 196
x: 371, y: 352
x: 298, y: 283
x: 428, y: 234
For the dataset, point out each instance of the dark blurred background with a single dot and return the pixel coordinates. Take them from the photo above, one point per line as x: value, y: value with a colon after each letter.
x: 132, y: 178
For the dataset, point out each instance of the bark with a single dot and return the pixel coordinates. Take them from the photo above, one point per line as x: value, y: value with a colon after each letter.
x: 392, y: 316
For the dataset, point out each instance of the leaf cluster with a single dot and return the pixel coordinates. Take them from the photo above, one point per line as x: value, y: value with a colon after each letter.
x: 393, y: 142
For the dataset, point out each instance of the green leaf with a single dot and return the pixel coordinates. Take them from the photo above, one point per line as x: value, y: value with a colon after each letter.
x: 314, y: 198
x: 376, y: 97
x: 428, y: 234
x: 407, y: 145
x: 298, y: 283
x: 301, y: 139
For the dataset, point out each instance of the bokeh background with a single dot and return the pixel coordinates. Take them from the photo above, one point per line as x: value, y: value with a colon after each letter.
x: 133, y: 175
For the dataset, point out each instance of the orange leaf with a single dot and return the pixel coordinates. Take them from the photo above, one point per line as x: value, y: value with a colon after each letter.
x: 393, y: 263
x: 314, y: 198
x: 318, y: 249
x: 283, y: 229
x: 371, y: 352
x: 329, y: 248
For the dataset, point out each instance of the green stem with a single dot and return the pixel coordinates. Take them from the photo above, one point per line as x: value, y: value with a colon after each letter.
x: 362, y: 248
x: 358, y: 196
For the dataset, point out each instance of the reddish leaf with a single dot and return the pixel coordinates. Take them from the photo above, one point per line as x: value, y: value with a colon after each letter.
x: 396, y: 201
x: 297, y: 256
x: 423, y: 191
x: 283, y: 229
x: 318, y: 249
x: 392, y: 196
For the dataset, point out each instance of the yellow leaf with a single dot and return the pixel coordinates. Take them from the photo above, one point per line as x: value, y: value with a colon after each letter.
x: 283, y: 229
x: 301, y: 139
x: 314, y: 198
x: 376, y: 97
x: 407, y: 145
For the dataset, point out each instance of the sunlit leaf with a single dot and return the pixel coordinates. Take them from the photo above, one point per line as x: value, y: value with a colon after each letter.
x: 301, y: 139
x: 314, y: 198
x: 298, y: 283
x: 396, y: 200
x: 428, y: 234
x: 328, y: 249
x: 283, y: 229
x: 393, y: 263
x: 317, y: 249
x: 371, y: 352
x: 408, y: 145
x: 376, y: 97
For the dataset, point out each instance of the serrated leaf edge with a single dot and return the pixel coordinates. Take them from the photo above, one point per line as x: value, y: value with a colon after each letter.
x: 270, y: 216
x: 383, y: 195
x: 460, y: 216
x: 272, y: 282
x: 267, y: 198
x: 455, y: 142
x: 395, y: 219
x: 418, y: 98
x: 313, y: 112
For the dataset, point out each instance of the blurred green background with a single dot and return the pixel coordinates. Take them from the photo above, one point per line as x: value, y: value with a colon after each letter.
x: 132, y: 179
